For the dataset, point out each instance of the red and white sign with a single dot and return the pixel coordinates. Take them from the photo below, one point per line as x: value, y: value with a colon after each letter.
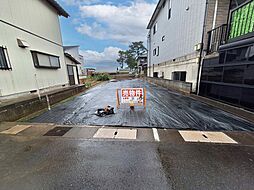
x: 132, y: 95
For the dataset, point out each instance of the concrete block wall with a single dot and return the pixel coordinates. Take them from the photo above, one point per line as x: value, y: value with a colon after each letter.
x: 188, y: 63
x: 184, y: 87
x: 18, y: 110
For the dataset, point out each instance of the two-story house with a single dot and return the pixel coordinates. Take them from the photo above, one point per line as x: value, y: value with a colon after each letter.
x: 31, y: 47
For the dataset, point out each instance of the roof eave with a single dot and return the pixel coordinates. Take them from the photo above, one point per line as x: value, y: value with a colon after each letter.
x: 59, y: 9
x: 155, y: 14
x: 72, y: 58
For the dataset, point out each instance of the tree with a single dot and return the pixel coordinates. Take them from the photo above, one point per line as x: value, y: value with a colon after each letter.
x: 130, y: 56
x: 121, y: 58
x: 137, y: 49
x: 131, y: 61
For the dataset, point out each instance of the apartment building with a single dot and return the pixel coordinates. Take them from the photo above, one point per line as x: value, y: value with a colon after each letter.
x: 31, y: 47
x: 208, y: 43
x: 227, y: 72
x: 174, y: 40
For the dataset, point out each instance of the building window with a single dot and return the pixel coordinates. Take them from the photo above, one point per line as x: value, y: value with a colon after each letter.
x: 155, y: 74
x: 163, y: 38
x: 154, y: 52
x: 43, y: 60
x: 164, y: 3
x: 179, y: 76
x: 158, y: 51
x: 155, y: 28
x: 4, y: 61
x: 169, y: 9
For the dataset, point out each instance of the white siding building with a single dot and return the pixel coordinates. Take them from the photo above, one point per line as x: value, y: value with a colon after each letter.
x: 74, y: 52
x: 174, y: 40
x: 31, y: 48
x: 74, y: 62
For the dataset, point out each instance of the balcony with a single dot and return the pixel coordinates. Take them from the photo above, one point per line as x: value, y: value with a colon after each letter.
x: 216, y: 37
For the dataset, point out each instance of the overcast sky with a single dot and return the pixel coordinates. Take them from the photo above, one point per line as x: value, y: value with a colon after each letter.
x: 102, y: 28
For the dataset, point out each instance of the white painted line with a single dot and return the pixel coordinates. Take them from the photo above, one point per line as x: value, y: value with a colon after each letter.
x: 206, y: 137
x: 16, y: 129
x: 156, y: 135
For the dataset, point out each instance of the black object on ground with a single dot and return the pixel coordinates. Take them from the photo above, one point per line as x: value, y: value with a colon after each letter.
x: 58, y: 131
x: 105, y: 111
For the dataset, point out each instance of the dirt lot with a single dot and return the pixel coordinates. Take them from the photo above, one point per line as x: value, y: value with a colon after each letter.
x: 165, y: 109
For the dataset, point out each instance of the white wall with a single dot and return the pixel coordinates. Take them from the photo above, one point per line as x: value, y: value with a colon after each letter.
x: 36, y: 16
x: 182, y: 31
x: 39, y: 18
x: 74, y: 52
x: 68, y: 61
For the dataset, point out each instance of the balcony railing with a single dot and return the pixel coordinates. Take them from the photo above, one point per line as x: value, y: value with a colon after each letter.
x: 216, y: 37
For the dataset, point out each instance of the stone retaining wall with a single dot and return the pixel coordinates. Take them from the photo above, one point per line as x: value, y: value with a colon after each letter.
x: 21, y: 109
x: 184, y: 87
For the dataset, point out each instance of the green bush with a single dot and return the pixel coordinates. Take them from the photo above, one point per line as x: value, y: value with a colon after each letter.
x: 102, y: 77
x: 88, y: 84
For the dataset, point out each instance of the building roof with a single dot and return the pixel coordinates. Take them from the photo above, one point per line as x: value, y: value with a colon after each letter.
x: 58, y: 8
x: 72, y: 58
x: 142, y: 55
x: 155, y: 14
x: 70, y: 47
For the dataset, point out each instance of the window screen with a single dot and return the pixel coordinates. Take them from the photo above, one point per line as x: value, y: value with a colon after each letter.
x: 54, y: 61
x: 43, y: 60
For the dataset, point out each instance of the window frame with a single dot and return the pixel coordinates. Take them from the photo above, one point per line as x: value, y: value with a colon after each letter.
x: 155, y: 28
x: 37, y: 63
x: 169, y: 9
x: 179, y: 74
x: 5, y: 58
x: 154, y: 51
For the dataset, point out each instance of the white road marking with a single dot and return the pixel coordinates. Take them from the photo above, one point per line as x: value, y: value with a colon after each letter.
x: 156, y: 135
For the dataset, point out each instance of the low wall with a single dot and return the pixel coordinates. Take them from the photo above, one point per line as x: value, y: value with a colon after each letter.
x: 170, y: 84
x: 21, y: 109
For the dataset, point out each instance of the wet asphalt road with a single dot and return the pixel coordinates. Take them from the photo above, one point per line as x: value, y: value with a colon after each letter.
x: 60, y: 163
x: 165, y: 109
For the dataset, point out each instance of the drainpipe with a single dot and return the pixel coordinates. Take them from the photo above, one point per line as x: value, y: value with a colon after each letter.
x: 201, y: 50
